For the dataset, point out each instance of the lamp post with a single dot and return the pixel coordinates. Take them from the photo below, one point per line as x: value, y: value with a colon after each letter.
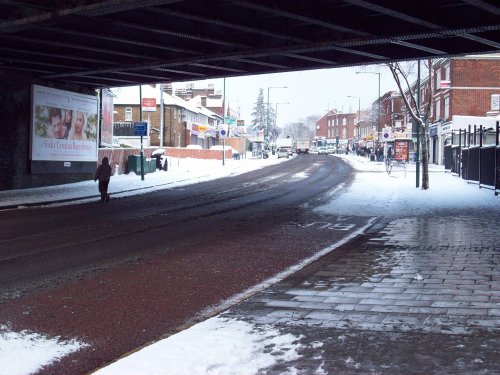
x: 267, y: 119
x: 379, y: 109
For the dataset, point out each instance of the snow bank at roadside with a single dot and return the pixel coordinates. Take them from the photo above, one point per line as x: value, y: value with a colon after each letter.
x: 32, y: 350
x: 375, y: 193
x: 215, y: 346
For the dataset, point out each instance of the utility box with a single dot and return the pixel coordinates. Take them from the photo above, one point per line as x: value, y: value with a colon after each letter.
x: 134, y: 164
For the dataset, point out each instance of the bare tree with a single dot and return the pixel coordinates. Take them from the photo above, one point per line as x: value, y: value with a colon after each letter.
x: 419, y: 112
x: 304, y: 128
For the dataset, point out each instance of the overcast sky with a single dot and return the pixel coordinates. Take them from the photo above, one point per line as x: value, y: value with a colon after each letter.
x: 310, y: 92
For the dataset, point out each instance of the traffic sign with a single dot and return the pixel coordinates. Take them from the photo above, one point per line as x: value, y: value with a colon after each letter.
x: 140, y: 128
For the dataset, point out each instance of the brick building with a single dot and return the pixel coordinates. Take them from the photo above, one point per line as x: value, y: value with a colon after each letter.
x: 184, y: 123
x: 464, y: 87
x: 337, y: 125
x: 461, y: 86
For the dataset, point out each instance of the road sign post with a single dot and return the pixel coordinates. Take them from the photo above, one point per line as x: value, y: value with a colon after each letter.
x: 141, y: 128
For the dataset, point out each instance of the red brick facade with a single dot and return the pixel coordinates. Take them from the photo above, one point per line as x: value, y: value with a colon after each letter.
x: 173, y: 128
x: 472, y: 82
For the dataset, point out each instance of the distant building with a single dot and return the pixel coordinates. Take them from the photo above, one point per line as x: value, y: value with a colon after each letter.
x: 184, y: 123
x: 206, y: 97
x: 338, y: 128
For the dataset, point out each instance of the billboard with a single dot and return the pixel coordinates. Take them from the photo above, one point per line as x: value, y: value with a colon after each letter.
x: 64, y: 125
x: 107, y: 119
x: 401, y: 150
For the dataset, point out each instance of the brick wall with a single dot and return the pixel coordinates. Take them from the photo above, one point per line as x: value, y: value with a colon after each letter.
x: 15, y: 110
x: 473, y: 81
x: 322, y: 124
x: 177, y: 152
x: 118, y: 157
x: 238, y: 143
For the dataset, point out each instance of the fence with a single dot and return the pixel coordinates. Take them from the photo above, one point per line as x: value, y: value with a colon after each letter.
x: 474, y: 155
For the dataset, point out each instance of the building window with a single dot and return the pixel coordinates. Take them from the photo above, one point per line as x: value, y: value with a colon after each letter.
x: 446, y: 108
x: 447, y: 73
x: 438, y: 109
x: 344, y: 121
x: 438, y: 78
x: 128, y: 113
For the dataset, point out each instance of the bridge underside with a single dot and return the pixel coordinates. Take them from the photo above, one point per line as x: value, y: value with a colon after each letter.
x: 94, y: 44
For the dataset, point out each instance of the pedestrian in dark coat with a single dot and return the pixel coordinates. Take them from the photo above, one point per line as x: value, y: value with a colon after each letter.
x: 103, y: 174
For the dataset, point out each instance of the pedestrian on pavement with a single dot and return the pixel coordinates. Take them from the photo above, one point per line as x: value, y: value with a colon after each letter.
x: 103, y: 174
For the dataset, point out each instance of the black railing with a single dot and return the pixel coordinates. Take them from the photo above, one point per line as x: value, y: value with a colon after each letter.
x: 469, y: 157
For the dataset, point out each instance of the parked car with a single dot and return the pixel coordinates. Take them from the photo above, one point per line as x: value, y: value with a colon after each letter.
x: 322, y: 150
x: 283, y: 152
x: 330, y: 150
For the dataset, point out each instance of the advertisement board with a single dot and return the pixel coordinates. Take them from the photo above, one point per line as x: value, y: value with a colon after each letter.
x: 64, y: 125
x: 107, y: 119
x: 401, y: 150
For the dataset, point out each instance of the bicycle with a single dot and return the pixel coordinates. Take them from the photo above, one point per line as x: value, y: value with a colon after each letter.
x: 388, y: 165
x: 391, y: 162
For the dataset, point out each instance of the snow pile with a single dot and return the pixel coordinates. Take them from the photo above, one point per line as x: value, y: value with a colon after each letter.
x: 215, y: 346
x: 375, y: 193
x: 32, y: 350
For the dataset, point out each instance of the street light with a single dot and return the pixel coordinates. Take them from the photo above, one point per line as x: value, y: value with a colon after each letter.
x: 267, y: 120
x: 378, y: 122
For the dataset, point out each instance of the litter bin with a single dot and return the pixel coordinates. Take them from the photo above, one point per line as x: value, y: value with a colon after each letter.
x: 150, y: 165
x: 372, y: 157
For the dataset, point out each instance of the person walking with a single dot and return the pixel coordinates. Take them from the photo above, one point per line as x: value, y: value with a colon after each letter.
x: 103, y: 174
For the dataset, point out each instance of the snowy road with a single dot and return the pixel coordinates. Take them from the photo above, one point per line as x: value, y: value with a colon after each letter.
x: 120, y: 275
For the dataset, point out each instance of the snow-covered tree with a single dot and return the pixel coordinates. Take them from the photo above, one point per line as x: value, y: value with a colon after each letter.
x: 273, y: 130
x: 259, y: 114
x: 419, y: 113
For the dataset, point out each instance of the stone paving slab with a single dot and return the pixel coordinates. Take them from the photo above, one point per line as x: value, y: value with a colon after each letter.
x: 433, y: 286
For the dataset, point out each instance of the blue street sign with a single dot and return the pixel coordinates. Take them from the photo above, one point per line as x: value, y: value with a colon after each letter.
x: 141, y: 128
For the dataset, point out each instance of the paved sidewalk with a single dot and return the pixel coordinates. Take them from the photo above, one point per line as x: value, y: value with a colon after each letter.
x: 420, y: 296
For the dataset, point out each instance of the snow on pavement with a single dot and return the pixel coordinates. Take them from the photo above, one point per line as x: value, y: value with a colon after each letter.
x: 25, y: 352
x: 375, y: 193
x: 215, y: 346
